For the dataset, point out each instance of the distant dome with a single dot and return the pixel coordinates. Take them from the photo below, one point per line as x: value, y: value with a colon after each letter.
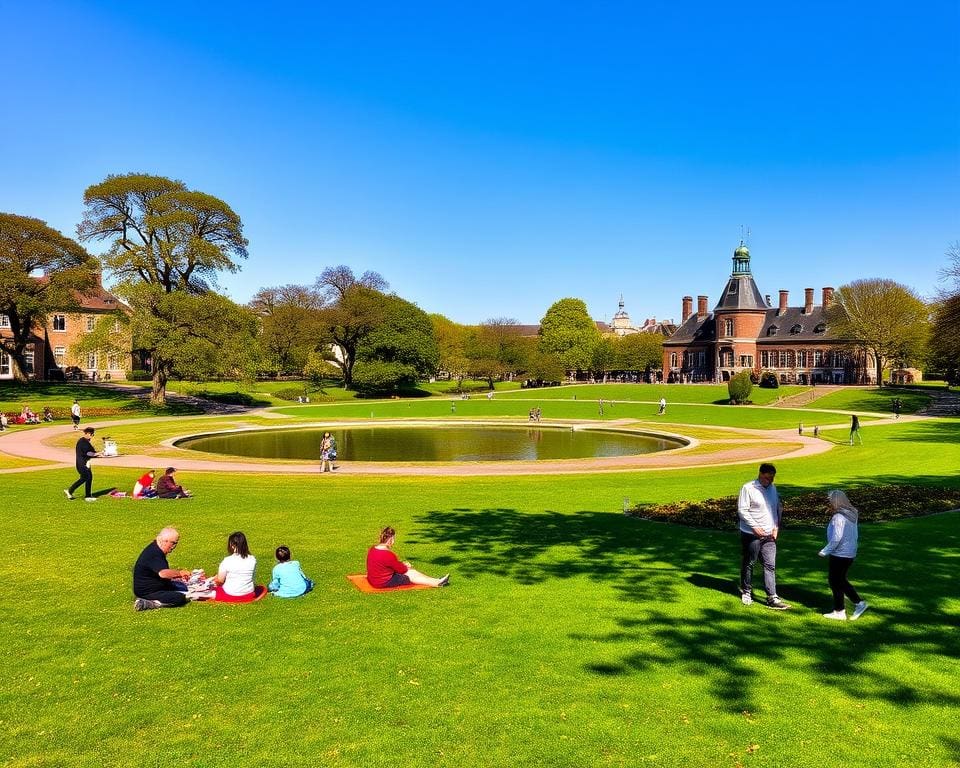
x: 742, y: 252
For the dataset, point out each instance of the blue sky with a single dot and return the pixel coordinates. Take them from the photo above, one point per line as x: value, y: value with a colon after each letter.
x: 491, y: 158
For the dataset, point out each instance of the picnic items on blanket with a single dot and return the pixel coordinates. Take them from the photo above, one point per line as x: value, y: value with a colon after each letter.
x: 199, y: 587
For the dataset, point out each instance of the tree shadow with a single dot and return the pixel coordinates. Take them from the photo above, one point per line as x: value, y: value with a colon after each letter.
x: 723, y: 639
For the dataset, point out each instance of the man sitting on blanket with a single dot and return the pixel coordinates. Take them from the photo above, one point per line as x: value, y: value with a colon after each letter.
x: 167, y: 487
x: 155, y: 583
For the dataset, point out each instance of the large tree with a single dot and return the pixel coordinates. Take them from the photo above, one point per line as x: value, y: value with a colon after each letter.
x: 353, y: 308
x: 945, y: 338
x: 568, y: 331
x: 640, y: 352
x: 496, y: 349
x: 884, y: 317
x: 28, y: 247
x: 289, y: 325
x: 163, y: 239
x: 451, y: 345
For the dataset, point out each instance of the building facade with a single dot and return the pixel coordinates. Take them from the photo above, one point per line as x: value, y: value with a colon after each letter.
x: 745, y: 332
x: 52, y: 350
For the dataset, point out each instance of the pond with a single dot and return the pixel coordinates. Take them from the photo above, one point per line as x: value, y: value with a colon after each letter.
x: 439, y: 443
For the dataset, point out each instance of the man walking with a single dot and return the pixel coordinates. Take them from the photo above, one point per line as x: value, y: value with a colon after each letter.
x: 759, y: 509
x: 75, y: 415
x: 85, y: 451
x: 855, y: 429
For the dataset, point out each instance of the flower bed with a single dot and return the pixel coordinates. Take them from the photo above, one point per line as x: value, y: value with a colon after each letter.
x: 876, y: 503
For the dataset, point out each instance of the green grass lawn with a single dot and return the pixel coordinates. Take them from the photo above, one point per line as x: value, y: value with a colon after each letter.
x: 877, y: 400
x: 571, y: 635
x: 651, y: 393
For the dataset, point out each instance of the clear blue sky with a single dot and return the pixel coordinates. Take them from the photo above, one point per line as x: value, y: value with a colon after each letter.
x: 491, y: 158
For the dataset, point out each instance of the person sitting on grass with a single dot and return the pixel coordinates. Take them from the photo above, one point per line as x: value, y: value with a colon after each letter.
x: 143, y: 488
x: 287, y: 578
x: 155, y: 583
x: 384, y: 569
x: 234, y: 579
x: 167, y: 487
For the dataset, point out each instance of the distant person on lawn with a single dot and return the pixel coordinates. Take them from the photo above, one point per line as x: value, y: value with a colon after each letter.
x: 842, y: 536
x: 384, y: 569
x: 153, y: 578
x: 84, y: 452
x: 234, y: 579
x: 287, y: 579
x: 143, y: 488
x: 759, y: 508
x: 75, y: 415
x: 167, y: 487
x: 855, y: 429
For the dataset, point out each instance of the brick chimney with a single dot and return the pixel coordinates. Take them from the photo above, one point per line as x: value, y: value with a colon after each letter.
x: 807, y: 301
x: 701, y: 307
x: 784, y: 298
x: 687, y: 308
x: 827, y: 297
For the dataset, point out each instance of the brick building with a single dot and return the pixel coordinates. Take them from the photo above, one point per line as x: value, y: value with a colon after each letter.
x: 51, y: 351
x: 746, y: 332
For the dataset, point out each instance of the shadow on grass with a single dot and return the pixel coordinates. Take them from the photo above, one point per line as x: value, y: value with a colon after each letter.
x: 649, y: 564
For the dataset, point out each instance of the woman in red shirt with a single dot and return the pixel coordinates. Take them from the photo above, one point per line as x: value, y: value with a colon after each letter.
x: 384, y: 569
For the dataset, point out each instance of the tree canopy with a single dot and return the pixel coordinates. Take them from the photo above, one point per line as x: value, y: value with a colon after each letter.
x: 165, y: 239
x: 289, y: 325
x: 27, y: 247
x: 945, y: 337
x: 568, y: 331
x: 884, y: 317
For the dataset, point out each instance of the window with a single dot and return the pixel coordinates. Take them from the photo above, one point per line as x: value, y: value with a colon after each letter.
x: 673, y: 359
x: 746, y: 361
x: 701, y: 359
x: 4, y: 364
x: 772, y: 330
x: 60, y: 354
x: 821, y: 328
x: 113, y: 363
x: 59, y: 322
x: 116, y: 326
x: 28, y: 360
x: 784, y: 363
x: 92, y: 360
x: 764, y: 359
x: 796, y: 328
x: 728, y: 327
x: 4, y: 321
x: 802, y: 359
x: 91, y: 322
x: 817, y: 358
x: 726, y: 358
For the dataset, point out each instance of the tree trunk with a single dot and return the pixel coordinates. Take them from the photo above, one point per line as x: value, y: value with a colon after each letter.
x: 879, y: 371
x: 158, y: 392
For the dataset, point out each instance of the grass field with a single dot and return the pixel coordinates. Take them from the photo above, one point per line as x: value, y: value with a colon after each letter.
x: 571, y: 635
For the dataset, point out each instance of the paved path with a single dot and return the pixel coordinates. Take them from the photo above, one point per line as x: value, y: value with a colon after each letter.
x: 745, y: 446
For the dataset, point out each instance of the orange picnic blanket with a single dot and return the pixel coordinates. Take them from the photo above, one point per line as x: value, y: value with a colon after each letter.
x: 359, y: 580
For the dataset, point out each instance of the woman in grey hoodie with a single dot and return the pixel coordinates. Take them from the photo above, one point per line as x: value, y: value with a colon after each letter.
x: 841, y: 548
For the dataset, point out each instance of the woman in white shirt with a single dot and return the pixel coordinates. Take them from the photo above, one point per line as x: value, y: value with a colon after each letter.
x: 841, y: 548
x: 234, y: 579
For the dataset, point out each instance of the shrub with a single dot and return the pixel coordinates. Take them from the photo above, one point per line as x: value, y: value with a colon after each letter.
x: 378, y: 376
x: 875, y: 503
x: 229, y: 398
x: 768, y: 380
x: 289, y: 393
x: 739, y: 388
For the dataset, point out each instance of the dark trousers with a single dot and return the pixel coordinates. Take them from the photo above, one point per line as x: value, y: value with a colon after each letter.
x: 753, y: 548
x: 837, y: 577
x: 86, y: 478
x: 170, y: 598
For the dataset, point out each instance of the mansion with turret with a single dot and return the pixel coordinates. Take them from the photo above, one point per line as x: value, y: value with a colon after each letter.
x: 745, y: 332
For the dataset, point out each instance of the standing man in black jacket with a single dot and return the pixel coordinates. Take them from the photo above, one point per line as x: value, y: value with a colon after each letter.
x: 85, y: 452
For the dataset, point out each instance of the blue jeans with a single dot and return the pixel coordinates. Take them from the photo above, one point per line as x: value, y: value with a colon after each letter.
x: 753, y: 548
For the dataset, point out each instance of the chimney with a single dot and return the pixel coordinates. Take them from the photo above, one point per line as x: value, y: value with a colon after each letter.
x: 687, y: 308
x: 767, y: 298
x: 807, y: 301
x: 827, y: 297
x: 701, y: 306
x: 783, y: 302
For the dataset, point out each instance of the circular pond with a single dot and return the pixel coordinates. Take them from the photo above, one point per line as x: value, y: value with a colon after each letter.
x: 437, y: 443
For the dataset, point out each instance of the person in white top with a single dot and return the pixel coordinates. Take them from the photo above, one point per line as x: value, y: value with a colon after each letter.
x: 234, y: 579
x: 663, y: 406
x: 842, y: 536
x: 75, y: 415
x: 759, y: 508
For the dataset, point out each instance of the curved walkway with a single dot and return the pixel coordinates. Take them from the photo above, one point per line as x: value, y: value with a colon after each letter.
x: 747, y: 446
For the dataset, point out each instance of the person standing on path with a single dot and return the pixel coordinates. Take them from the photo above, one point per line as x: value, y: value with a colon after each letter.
x: 841, y: 548
x: 85, y: 451
x: 759, y: 508
x: 855, y: 429
x: 75, y: 415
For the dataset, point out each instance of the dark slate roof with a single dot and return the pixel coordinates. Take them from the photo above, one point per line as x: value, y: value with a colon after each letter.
x: 741, y: 292
x: 792, y: 317
x: 695, y: 330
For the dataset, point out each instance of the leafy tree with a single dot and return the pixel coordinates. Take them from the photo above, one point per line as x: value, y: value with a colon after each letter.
x: 164, y: 240
x: 451, y: 346
x: 289, y: 324
x: 640, y: 352
x: 604, y: 356
x: 568, y: 331
x: 882, y: 316
x: 399, y: 350
x: 496, y: 349
x: 28, y: 246
x: 739, y: 387
x: 945, y: 338
x: 353, y: 308
x: 546, y: 367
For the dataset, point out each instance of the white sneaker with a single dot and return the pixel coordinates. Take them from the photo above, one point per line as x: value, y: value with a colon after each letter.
x: 837, y: 615
x: 68, y: 494
x: 746, y: 598
x: 859, y: 609
x: 90, y: 498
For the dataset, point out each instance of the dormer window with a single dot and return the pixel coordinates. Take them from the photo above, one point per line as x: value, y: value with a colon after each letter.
x: 821, y: 328
x: 772, y: 330
x: 796, y: 329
